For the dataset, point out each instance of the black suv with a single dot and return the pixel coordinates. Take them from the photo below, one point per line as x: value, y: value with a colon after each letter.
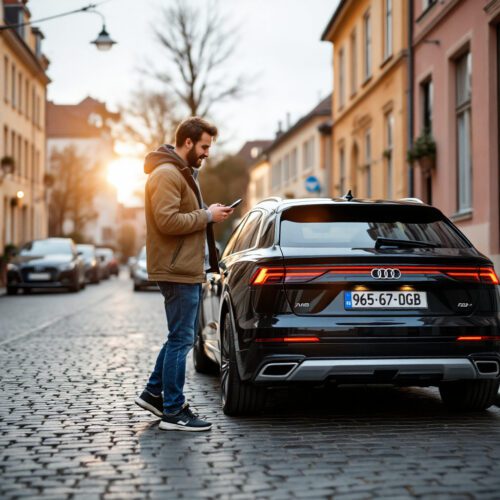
x: 350, y: 291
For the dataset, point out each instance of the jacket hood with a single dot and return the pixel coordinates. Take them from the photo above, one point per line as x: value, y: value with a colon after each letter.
x: 164, y: 154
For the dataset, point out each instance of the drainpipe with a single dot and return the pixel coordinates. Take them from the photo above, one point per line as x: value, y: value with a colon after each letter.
x: 411, y: 78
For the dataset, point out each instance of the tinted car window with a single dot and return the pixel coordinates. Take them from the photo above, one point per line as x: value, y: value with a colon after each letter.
x: 86, y: 250
x: 47, y: 247
x: 232, y: 240
x: 248, y: 233
x: 358, y: 226
x: 267, y: 236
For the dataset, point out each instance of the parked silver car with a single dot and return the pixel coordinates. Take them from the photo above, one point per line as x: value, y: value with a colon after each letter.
x: 139, y: 272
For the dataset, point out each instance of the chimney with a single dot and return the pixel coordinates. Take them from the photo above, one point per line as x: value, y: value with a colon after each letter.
x: 279, y: 131
x: 288, y: 121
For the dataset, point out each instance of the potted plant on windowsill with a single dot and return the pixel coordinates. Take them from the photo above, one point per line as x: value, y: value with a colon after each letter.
x: 424, y: 152
x: 7, y: 163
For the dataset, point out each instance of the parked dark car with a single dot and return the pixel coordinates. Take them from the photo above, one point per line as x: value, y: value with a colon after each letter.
x: 108, y: 262
x: 350, y: 291
x: 47, y: 263
x: 90, y: 261
x: 139, y: 272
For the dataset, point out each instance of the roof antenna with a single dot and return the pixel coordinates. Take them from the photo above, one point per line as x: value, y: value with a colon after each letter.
x: 348, y: 196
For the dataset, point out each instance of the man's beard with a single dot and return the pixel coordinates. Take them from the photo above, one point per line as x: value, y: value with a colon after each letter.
x: 192, y: 159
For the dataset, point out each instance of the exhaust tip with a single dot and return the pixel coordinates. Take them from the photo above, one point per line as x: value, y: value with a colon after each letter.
x: 280, y: 370
x: 488, y: 367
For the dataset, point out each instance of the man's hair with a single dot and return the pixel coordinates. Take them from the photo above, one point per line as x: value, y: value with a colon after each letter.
x: 193, y: 129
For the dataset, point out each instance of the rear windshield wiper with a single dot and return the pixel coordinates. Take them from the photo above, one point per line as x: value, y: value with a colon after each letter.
x: 387, y: 242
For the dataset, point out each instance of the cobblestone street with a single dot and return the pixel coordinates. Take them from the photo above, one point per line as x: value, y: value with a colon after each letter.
x: 69, y: 427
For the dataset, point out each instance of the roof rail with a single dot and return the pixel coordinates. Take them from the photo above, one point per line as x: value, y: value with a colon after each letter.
x: 414, y: 200
x: 271, y: 198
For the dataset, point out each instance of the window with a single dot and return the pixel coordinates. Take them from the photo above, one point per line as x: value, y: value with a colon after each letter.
x: 5, y: 140
x: 20, y: 159
x: 13, y: 144
x: 354, y: 63
x: 358, y: 226
x: 427, y: 102
x: 33, y: 165
x: 27, y: 98
x: 341, y: 78
x: 247, y: 234
x: 13, y: 86
x: 388, y: 29
x: 20, y: 88
x: 286, y: 170
x: 26, y: 161
x: 308, y: 154
x: 293, y: 165
x: 33, y: 104
x: 463, y: 117
x: 233, y: 238
x: 276, y: 175
x: 368, y: 46
x: 389, y: 137
x: 342, y: 170
x: 368, y: 160
x: 6, y: 79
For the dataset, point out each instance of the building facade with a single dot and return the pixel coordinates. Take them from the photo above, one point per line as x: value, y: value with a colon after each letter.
x: 86, y: 127
x: 456, y: 46
x: 23, y: 86
x: 299, y: 153
x: 369, y: 137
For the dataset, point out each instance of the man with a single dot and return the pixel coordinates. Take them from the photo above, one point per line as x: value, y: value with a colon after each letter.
x: 180, y: 248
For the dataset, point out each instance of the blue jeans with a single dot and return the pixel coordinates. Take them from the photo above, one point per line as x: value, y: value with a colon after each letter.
x: 182, y: 303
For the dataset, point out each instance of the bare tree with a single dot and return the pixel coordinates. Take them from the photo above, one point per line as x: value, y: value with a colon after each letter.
x: 73, y: 190
x: 149, y: 118
x: 198, y: 45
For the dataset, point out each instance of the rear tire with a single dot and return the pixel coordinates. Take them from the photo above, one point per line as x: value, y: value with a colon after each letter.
x: 202, y: 363
x: 469, y: 395
x: 238, y: 397
x: 12, y: 290
x: 137, y: 288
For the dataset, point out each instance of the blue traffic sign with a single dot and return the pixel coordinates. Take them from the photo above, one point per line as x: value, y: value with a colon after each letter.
x: 312, y: 184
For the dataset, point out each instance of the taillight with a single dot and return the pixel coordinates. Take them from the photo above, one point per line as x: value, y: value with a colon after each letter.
x: 476, y: 338
x: 482, y: 275
x: 488, y: 275
x: 273, y: 275
x: 303, y: 274
x: 300, y: 340
x: 268, y: 275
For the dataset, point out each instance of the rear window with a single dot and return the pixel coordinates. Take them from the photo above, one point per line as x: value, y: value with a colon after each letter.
x: 359, y: 226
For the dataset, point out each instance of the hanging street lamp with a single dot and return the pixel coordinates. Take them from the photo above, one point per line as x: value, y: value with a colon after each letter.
x: 103, y: 42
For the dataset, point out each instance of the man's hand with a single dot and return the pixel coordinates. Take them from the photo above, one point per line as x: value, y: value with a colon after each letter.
x: 220, y: 212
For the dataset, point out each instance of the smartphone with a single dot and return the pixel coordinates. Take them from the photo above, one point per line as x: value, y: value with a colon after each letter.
x: 236, y: 203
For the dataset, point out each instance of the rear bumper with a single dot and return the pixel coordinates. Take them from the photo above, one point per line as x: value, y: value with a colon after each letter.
x: 378, y: 369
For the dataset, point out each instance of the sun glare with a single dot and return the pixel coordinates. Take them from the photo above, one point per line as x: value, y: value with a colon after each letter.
x: 126, y: 175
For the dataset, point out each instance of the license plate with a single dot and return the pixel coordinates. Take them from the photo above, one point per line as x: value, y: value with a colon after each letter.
x: 385, y: 300
x: 39, y: 276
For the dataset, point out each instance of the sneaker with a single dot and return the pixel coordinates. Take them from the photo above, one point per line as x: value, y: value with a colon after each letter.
x: 183, y: 420
x: 148, y: 401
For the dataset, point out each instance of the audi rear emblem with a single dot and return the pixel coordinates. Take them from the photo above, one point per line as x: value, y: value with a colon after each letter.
x: 383, y: 273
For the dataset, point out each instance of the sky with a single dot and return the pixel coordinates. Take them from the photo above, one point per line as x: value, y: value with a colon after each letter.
x: 278, y: 46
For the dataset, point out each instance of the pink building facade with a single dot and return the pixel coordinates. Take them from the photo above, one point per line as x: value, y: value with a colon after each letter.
x: 456, y: 46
